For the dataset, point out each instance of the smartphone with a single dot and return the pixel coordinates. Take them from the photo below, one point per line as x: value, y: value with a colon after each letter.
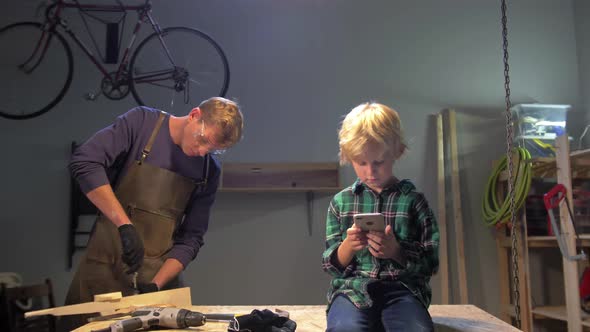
x: 370, y: 221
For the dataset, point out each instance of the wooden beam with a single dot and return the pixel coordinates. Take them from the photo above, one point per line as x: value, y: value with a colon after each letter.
x: 570, y: 268
x: 504, y: 280
x: 180, y: 297
x: 457, y: 210
x: 526, y: 315
x: 443, y: 269
x: 312, y: 318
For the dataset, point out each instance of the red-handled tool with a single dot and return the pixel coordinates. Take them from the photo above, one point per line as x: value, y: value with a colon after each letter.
x: 552, y: 200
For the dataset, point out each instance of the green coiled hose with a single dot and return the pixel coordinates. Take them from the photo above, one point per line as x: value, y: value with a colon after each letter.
x: 494, y: 211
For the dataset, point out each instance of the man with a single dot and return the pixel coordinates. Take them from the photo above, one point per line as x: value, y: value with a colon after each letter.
x: 165, y: 174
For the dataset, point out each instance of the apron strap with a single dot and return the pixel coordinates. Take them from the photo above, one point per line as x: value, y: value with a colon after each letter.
x: 148, y: 147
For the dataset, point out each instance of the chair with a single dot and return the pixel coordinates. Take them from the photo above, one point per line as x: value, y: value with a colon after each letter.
x: 12, y: 310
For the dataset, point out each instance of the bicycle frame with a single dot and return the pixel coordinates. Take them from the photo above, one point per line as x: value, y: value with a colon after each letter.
x: 157, y: 67
x: 53, y: 20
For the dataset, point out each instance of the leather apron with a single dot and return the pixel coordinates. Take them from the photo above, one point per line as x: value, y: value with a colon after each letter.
x: 155, y: 200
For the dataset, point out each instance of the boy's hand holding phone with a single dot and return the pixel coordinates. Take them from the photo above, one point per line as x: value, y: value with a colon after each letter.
x: 382, y: 242
x: 384, y: 245
x: 357, y: 238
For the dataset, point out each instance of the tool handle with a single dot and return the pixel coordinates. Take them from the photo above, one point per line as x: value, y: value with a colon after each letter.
x: 127, y: 325
x: 553, y: 197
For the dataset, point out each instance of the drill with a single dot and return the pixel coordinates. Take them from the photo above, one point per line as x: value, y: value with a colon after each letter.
x: 148, y: 317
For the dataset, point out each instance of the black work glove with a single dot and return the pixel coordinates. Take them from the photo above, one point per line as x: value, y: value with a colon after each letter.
x: 147, y: 288
x: 132, y: 247
x: 264, y: 321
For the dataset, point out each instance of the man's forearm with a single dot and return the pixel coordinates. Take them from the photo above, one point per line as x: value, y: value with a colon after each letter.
x: 105, y: 200
x: 170, y: 269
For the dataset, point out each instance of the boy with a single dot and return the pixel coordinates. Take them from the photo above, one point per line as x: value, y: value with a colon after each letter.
x: 380, y: 279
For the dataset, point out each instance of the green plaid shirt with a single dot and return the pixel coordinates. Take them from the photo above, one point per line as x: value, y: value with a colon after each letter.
x: 414, y: 226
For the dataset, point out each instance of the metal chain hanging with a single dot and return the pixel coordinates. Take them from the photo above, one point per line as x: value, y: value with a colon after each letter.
x: 509, y: 137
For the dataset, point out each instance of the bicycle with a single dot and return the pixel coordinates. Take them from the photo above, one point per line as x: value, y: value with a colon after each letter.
x: 164, y: 71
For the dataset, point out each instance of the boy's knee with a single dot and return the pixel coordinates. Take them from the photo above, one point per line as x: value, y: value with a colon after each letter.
x: 420, y: 326
x: 345, y: 326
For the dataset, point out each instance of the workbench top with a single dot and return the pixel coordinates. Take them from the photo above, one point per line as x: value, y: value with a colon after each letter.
x: 312, y: 318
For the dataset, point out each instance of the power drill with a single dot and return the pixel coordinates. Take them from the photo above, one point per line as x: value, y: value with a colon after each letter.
x: 147, y: 317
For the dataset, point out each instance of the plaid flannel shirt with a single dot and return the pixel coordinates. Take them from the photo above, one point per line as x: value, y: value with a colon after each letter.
x: 415, y: 228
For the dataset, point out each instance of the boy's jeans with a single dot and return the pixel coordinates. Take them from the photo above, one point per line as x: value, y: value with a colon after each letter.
x: 394, y: 309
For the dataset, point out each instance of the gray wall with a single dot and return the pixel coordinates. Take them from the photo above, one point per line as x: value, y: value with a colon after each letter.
x: 582, y: 24
x: 297, y: 68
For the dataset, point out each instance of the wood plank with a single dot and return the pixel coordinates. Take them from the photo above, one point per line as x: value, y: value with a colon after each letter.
x: 280, y: 176
x: 504, y: 277
x: 570, y: 269
x: 312, y: 318
x: 309, y: 166
x: 457, y: 210
x: 443, y: 269
x: 504, y: 280
x: 281, y: 190
x: 454, y: 318
x: 180, y: 297
x: 524, y: 281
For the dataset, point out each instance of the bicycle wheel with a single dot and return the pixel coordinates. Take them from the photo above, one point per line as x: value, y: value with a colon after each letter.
x: 180, y: 71
x: 36, y: 69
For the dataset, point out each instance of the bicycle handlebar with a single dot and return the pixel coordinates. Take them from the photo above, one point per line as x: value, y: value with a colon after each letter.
x: 77, y: 4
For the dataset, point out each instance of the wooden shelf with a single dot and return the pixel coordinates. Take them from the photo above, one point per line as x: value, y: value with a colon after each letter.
x: 544, y: 241
x: 280, y: 177
x: 545, y: 167
x: 558, y: 313
x: 551, y: 241
x: 551, y: 312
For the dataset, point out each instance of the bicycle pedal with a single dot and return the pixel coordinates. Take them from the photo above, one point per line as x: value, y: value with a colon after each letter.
x: 90, y: 96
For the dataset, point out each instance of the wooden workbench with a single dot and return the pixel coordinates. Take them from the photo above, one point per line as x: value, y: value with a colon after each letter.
x: 312, y: 318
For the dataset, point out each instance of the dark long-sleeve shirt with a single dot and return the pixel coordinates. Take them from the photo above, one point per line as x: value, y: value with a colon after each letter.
x: 109, y: 153
x: 415, y: 228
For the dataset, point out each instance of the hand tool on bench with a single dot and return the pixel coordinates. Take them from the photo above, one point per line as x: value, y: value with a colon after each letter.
x: 158, y: 317
x: 552, y: 200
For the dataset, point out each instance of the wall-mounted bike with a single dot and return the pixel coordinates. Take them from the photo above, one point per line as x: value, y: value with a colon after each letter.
x: 171, y: 69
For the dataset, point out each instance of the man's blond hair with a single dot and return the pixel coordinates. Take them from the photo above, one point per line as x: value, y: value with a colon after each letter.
x: 370, y: 123
x: 225, y: 114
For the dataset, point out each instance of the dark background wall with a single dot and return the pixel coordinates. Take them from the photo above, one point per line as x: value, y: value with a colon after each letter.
x: 297, y: 67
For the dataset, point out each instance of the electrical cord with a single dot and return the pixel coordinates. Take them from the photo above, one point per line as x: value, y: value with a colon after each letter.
x: 493, y: 210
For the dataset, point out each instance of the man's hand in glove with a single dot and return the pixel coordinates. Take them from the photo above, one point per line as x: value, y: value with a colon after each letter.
x: 132, y: 247
x: 147, y: 288
x: 263, y: 321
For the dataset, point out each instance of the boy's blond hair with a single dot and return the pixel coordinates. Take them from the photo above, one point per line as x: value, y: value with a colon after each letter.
x: 370, y: 123
x: 225, y: 114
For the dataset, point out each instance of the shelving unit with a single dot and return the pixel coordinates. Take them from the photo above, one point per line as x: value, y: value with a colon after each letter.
x: 564, y: 167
